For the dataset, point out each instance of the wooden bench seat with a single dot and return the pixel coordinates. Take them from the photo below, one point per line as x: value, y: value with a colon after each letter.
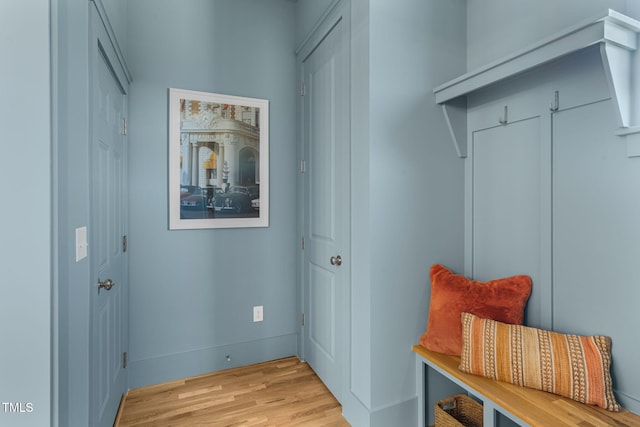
x: 524, y: 406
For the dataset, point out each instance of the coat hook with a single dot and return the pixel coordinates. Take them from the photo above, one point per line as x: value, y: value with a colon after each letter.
x: 505, y: 118
x: 556, y: 102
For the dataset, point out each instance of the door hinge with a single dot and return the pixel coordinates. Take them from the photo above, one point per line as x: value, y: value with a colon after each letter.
x: 302, y: 319
x: 124, y: 126
x: 303, y: 166
x: 303, y: 243
x: 302, y: 89
x: 124, y: 243
x: 124, y: 360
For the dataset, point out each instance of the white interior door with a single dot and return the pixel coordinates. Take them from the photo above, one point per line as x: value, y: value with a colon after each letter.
x: 326, y: 209
x: 107, y: 245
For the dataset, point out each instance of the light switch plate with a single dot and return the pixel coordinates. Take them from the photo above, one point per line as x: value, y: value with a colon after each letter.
x: 258, y: 313
x: 81, y: 243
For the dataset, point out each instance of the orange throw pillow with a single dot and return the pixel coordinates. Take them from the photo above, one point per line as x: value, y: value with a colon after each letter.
x: 573, y: 366
x: 452, y: 294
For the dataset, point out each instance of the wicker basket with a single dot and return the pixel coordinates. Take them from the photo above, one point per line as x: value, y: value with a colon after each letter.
x: 458, y: 411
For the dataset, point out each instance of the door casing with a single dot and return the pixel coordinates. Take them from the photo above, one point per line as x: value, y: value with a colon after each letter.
x: 325, y: 288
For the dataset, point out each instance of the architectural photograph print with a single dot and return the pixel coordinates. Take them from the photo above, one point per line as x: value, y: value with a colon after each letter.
x: 218, y: 161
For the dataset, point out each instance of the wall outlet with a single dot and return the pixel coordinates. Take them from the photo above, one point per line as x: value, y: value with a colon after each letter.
x: 258, y: 313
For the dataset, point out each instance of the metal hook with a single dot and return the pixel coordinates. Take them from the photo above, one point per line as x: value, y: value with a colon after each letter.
x: 505, y: 118
x: 556, y: 102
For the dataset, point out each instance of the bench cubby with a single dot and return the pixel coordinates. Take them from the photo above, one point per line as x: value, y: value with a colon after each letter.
x: 503, y: 401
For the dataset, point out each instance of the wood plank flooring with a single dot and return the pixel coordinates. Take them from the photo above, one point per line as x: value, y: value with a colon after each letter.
x: 283, y: 392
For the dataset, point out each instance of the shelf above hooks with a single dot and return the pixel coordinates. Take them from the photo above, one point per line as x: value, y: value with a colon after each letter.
x: 617, y: 36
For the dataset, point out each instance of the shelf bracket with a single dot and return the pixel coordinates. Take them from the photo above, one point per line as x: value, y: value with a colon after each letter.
x: 618, y: 61
x: 455, y: 114
x: 617, y: 68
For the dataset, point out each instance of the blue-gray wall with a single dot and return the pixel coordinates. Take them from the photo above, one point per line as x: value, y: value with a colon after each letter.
x: 496, y: 28
x: 192, y: 292
x: 25, y: 217
x: 308, y: 14
x: 412, y: 163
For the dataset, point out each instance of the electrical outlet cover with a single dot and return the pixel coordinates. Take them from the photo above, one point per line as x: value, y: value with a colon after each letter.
x: 258, y: 313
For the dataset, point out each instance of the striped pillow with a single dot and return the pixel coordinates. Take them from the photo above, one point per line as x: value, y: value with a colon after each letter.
x: 577, y: 367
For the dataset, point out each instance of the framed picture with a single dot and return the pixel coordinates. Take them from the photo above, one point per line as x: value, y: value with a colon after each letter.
x: 218, y: 161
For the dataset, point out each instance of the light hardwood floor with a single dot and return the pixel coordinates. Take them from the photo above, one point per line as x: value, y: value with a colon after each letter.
x: 283, y: 392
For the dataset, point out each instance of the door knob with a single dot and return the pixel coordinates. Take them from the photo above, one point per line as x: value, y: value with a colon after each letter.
x: 336, y: 260
x: 106, y: 285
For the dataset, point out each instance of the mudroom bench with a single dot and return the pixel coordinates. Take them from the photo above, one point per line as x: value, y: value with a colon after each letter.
x: 524, y: 406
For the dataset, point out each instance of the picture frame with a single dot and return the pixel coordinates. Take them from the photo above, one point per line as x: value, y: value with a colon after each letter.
x: 218, y: 161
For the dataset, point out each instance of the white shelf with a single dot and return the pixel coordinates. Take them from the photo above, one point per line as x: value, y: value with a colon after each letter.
x: 617, y: 35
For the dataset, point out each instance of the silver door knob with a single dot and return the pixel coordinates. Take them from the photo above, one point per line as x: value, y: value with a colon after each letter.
x: 106, y: 285
x: 336, y: 260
